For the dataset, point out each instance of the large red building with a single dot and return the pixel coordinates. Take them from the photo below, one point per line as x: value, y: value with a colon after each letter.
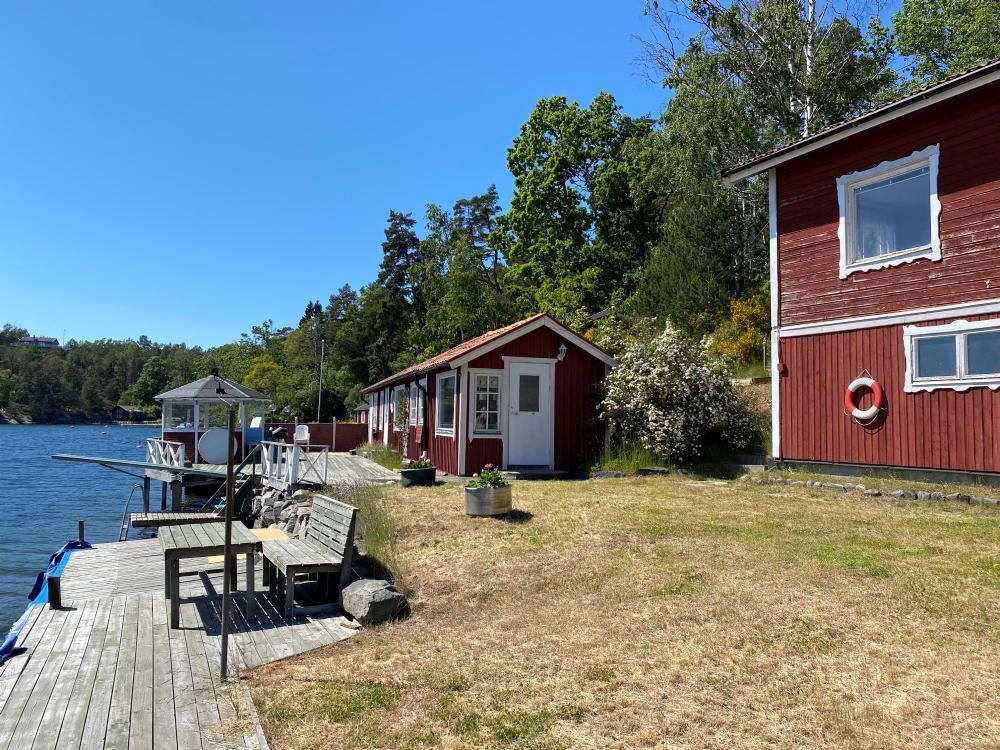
x: 885, y: 279
x: 523, y: 396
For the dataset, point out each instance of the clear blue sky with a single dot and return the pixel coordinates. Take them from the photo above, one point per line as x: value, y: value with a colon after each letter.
x: 183, y: 170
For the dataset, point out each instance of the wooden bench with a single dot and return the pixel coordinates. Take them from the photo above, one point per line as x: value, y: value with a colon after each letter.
x: 325, y: 551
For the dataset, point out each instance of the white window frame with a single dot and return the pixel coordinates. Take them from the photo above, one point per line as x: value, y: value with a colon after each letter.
x: 962, y: 381
x: 438, y: 381
x: 394, y: 405
x: 847, y: 229
x: 474, y: 374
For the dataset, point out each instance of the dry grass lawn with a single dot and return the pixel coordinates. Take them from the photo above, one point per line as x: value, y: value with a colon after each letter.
x: 656, y: 613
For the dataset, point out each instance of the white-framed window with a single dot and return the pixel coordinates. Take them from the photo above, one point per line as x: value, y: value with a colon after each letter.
x: 486, y: 402
x: 398, y: 405
x: 417, y: 402
x: 959, y: 355
x: 889, y: 213
x: 444, y: 414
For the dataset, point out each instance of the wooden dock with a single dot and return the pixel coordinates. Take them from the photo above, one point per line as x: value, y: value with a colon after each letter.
x: 107, y: 672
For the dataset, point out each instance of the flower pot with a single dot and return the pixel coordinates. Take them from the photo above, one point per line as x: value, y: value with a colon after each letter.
x: 418, y: 477
x: 487, y: 501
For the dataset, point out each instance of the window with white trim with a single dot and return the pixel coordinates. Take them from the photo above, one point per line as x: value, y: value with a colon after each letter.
x: 398, y: 405
x: 444, y: 414
x: 417, y: 403
x: 486, y: 419
x: 889, y: 214
x: 957, y: 355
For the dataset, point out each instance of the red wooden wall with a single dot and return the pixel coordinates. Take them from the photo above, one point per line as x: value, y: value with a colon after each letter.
x: 966, y: 128
x: 943, y: 429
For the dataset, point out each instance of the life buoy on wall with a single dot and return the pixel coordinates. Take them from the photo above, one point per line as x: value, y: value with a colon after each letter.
x: 878, y: 398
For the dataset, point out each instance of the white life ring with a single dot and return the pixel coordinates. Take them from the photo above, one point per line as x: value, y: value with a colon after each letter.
x: 878, y: 398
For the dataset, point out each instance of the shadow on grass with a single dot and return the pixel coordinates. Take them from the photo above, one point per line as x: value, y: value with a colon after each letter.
x: 516, y: 516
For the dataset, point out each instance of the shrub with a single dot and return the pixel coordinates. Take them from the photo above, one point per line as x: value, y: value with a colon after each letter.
x: 742, y: 335
x: 377, y: 527
x: 380, y: 454
x: 669, y: 395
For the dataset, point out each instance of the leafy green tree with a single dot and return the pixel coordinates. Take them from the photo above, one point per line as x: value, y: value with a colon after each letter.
x: 943, y: 37
x: 573, y: 237
x: 10, y: 334
x: 152, y: 381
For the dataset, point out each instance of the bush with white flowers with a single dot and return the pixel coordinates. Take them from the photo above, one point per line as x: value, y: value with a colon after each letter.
x: 671, y: 396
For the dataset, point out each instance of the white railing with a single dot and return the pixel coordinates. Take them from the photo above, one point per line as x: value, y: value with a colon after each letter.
x: 164, y: 452
x: 283, y: 465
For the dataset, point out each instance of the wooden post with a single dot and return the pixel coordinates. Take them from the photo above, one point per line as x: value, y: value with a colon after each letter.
x: 229, y: 571
x: 55, y: 592
x: 80, y: 527
x: 163, y: 496
x: 145, y: 494
x: 176, y: 488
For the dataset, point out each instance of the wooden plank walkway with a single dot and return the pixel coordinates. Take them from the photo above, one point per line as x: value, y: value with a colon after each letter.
x: 341, y: 468
x: 106, y: 671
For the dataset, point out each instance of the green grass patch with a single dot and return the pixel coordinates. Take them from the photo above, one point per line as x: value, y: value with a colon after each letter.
x: 381, y: 454
x: 336, y: 702
x: 626, y: 458
x: 599, y: 673
x: 853, y: 561
x: 520, y: 728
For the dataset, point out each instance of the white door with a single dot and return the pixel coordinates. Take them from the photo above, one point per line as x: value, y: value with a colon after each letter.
x: 529, y: 414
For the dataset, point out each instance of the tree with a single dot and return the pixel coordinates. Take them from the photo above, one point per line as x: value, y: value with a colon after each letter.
x: 571, y: 217
x: 944, y: 37
x: 10, y: 334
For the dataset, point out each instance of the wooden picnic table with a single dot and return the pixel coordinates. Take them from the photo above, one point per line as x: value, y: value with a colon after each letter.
x: 204, y: 540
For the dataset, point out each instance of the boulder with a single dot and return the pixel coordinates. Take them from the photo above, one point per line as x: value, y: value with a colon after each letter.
x: 370, y: 601
x: 652, y: 471
x: 958, y: 497
x: 873, y: 491
x: 290, y: 525
x: 902, y: 494
x: 300, y: 495
x: 267, y: 516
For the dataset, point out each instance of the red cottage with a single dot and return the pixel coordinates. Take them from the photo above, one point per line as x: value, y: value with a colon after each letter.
x: 523, y: 396
x: 885, y: 283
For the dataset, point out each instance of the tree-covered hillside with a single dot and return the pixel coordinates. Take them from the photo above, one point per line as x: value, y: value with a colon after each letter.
x: 608, y: 210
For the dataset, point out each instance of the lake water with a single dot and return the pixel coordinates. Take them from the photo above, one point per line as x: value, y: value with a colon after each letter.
x: 41, y: 499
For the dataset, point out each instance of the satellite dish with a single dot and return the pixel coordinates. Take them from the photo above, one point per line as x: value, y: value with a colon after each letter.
x: 212, y: 446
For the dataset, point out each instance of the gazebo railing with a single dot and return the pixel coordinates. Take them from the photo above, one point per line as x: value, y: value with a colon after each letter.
x: 164, y: 452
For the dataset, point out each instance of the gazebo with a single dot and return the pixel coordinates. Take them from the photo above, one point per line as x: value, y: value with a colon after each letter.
x: 196, y: 416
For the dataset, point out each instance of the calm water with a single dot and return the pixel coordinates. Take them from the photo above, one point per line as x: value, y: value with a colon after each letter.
x: 41, y: 499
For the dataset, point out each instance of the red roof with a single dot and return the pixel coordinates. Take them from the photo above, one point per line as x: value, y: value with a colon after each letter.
x: 456, y: 351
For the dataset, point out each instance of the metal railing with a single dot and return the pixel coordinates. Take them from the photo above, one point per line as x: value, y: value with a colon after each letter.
x: 123, y: 534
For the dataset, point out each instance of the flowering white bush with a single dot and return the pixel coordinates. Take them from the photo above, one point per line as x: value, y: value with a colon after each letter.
x: 670, y: 395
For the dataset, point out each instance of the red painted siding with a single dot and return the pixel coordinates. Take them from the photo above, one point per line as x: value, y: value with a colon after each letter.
x: 943, y: 429
x: 441, y: 449
x: 969, y: 190
x: 578, y: 432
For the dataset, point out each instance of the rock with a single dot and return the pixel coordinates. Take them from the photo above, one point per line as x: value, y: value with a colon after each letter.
x: 833, y: 486
x: 606, y: 475
x: 370, y: 601
x: 290, y: 525
x: 903, y: 494
x: 267, y: 516
x: 958, y: 497
x: 921, y: 495
x: 300, y: 495
x: 284, y: 515
x: 652, y: 471
x: 796, y: 483
x: 937, y: 496
x: 303, y: 510
x: 873, y: 491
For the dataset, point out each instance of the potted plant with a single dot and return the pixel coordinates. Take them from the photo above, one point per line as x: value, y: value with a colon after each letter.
x: 419, y: 473
x: 488, y: 494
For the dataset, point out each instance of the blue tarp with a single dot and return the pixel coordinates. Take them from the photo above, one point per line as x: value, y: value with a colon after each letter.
x: 40, y: 593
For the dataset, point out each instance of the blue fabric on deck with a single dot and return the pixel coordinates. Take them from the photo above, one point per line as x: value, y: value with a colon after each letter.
x: 40, y: 592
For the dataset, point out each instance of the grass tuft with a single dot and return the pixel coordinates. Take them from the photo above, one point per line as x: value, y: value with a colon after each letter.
x: 381, y: 454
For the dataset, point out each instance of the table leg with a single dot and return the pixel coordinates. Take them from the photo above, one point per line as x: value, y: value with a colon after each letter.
x: 232, y: 572
x: 175, y: 599
x: 166, y: 577
x: 289, y: 590
x: 251, y: 601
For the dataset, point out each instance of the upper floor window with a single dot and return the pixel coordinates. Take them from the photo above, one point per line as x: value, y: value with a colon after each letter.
x: 889, y: 214
x: 958, y: 355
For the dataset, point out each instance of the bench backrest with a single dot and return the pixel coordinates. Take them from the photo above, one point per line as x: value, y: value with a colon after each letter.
x: 331, y: 526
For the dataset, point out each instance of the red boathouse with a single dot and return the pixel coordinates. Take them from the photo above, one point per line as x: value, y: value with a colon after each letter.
x: 522, y: 396
x: 885, y: 283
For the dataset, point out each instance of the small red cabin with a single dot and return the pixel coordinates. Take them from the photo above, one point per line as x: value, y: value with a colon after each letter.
x: 523, y: 396
x: 885, y: 283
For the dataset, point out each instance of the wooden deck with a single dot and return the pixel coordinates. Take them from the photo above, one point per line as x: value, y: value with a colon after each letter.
x: 107, y: 672
x: 341, y: 468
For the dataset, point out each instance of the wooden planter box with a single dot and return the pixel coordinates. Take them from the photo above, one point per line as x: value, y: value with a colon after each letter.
x: 418, y: 477
x: 488, y: 501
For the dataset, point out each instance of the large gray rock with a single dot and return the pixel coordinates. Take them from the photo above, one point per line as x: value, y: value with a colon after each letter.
x: 370, y: 601
x: 652, y: 471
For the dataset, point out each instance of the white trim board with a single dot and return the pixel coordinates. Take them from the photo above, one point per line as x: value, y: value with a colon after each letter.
x: 772, y: 224
x: 903, y: 317
x: 543, y: 322
x: 914, y: 103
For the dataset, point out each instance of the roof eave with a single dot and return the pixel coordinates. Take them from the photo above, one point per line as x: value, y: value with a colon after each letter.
x: 953, y: 87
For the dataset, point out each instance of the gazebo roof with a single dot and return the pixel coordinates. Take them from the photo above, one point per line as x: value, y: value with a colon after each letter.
x: 207, y: 389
